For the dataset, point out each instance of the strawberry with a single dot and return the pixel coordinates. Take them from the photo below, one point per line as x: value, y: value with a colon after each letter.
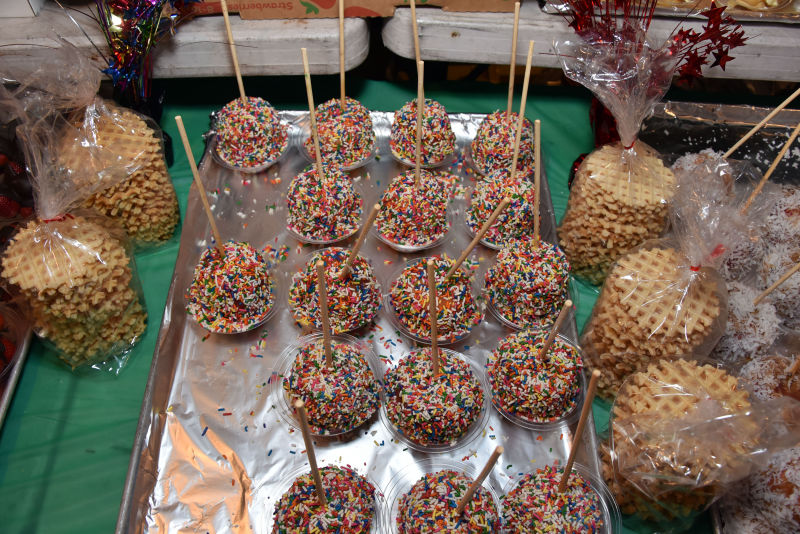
x: 9, y: 207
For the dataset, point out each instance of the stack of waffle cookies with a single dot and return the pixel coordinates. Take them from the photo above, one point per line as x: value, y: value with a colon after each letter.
x: 77, y: 279
x: 649, y: 307
x: 144, y: 202
x: 676, y: 471
x: 616, y: 203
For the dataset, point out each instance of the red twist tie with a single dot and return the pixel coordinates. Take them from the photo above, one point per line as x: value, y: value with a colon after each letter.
x: 695, y: 268
x: 628, y: 147
x: 58, y: 218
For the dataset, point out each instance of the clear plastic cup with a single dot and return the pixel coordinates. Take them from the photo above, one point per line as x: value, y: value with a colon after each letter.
x: 421, y: 338
x: 283, y: 369
x: 288, y: 479
x: 277, y: 289
x: 305, y: 261
x: 447, y: 160
x: 410, y: 249
x: 256, y: 168
x: 408, y: 475
x: 472, y: 431
x: 543, y: 322
x: 570, y: 417
x: 612, y: 520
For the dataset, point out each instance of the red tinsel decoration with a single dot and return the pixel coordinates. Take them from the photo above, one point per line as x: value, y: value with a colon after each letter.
x: 627, y: 21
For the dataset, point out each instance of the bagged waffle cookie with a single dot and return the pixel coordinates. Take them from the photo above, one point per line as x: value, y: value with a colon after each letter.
x: 683, y: 433
x: 144, y: 202
x: 621, y: 191
x: 73, y: 269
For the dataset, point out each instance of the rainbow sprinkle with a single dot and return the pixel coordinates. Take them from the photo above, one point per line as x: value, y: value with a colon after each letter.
x: 353, y: 301
x: 350, y: 506
x: 428, y: 409
x: 414, y: 217
x: 234, y: 294
x: 516, y: 221
x: 493, y: 146
x: 527, y: 286
x: 249, y: 133
x: 346, y: 138
x: 536, y: 391
x: 457, y: 309
x: 438, y: 139
x: 431, y: 504
x: 536, y: 505
x: 326, y: 210
x: 337, y: 398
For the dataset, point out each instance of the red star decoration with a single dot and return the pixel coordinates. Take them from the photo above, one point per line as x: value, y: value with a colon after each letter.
x: 721, y: 58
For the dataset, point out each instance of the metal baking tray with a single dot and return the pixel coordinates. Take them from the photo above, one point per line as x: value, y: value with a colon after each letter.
x: 210, y: 448
x: 8, y: 383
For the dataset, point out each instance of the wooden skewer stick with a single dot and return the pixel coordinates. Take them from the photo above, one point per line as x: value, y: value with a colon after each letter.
x: 234, y: 57
x: 537, y: 176
x: 312, y: 115
x: 420, y: 120
x: 341, y: 54
x: 322, y: 289
x: 478, y: 481
x: 413, y: 5
x: 774, y: 286
x: 758, y: 126
x: 475, y: 240
x: 200, y: 189
x: 513, y: 65
x: 312, y: 457
x: 551, y: 337
x: 771, y: 169
x: 521, y: 120
x: 587, y: 407
x: 360, y: 241
x: 434, y: 316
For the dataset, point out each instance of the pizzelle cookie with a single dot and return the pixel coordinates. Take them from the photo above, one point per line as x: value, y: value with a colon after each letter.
x: 666, y: 434
x: 76, y: 278
x: 648, y: 308
x: 144, y: 202
x: 613, y: 207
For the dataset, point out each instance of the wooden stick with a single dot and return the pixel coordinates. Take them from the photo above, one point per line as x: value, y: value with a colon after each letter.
x: 774, y: 286
x: 420, y: 120
x: 485, y: 228
x: 416, y: 30
x: 200, y: 188
x: 764, y: 121
x: 312, y: 457
x: 551, y: 337
x: 434, y: 317
x: 360, y: 241
x: 341, y: 54
x: 771, y: 169
x: 521, y: 120
x: 513, y: 65
x: 537, y: 175
x: 793, y: 368
x: 322, y: 290
x: 234, y: 57
x: 312, y: 115
x: 481, y: 477
x: 587, y: 407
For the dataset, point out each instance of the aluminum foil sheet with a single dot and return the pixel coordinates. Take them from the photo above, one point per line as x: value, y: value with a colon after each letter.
x: 211, y: 450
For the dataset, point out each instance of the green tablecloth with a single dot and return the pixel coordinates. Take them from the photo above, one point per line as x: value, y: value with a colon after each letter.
x: 66, y: 443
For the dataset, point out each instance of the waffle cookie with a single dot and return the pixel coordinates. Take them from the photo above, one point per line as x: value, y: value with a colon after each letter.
x: 649, y: 307
x: 77, y: 280
x: 144, y: 202
x: 614, y: 206
x: 665, y: 442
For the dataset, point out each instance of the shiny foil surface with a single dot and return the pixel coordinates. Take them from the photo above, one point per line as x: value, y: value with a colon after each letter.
x: 212, y: 452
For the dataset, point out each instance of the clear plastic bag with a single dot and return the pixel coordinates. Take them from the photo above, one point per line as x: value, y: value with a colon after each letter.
x: 683, y: 433
x: 73, y: 270
x: 620, y: 194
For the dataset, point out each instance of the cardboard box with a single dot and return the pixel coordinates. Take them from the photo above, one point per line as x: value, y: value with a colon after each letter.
x: 20, y: 8
x: 308, y: 9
